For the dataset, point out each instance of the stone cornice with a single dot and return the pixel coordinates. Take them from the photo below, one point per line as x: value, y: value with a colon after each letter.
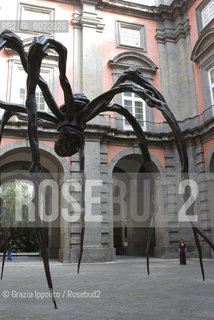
x: 191, y: 128
x: 138, y: 10
x: 167, y: 34
x: 177, y: 7
x: 127, y: 8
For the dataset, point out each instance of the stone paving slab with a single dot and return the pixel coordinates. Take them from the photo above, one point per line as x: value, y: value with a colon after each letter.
x: 108, y: 291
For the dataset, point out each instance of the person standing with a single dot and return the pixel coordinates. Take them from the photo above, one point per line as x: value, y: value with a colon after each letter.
x: 10, y: 250
x: 182, y: 252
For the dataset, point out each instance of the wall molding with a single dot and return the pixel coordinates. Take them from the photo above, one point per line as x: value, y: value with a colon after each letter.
x: 204, y: 44
x: 126, y: 59
x: 88, y: 19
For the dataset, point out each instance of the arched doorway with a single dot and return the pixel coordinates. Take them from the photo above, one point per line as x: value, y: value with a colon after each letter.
x: 131, y: 213
x: 16, y: 157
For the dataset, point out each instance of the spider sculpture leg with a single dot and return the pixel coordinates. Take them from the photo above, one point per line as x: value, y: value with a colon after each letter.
x: 82, y: 172
x: 36, y: 168
x: 71, y: 109
x: 8, y: 39
x: 99, y: 105
x: 146, y: 160
x: 39, y: 230
x: 10, y: 110
x: 153, y: 100
x: 184, y: 161
x: 4, y: 236
x: 31, y: 109
x: 36, y: 53
x: 5, y: 244
x: 19, y: 111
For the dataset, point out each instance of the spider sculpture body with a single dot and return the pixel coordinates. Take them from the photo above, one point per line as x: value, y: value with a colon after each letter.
x: 71, y: 118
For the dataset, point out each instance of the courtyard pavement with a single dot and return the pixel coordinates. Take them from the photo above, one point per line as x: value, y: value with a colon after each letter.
x: 117, y: 290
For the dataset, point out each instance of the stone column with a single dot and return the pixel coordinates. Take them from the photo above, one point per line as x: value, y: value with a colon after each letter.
x: 88, y: 29
x: 92, y: 243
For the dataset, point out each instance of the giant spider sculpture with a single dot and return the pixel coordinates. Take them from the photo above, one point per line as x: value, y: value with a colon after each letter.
x: 71, y: 118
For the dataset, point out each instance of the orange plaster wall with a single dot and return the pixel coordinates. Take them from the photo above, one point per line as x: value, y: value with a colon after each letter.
x: 193, y: 23
x: 6, y: 141
x: 193, y: 39
x: 114, y: 150
x: 109, y: 49
x: 159, y: 154
x: 207, y: 145
x: 198, y: 85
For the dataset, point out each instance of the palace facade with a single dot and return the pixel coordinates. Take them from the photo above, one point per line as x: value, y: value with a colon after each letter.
x: 172, y: 43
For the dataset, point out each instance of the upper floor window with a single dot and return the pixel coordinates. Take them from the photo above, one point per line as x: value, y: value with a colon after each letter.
x: 130, y: 100
x: 211, y: 84
x: 41, y: 104
x: 18, y: 89
x: 207, y: 13
x: 17, y: 78
x: 136, y: 106
x: 203, y: 54
x: 131, y: 35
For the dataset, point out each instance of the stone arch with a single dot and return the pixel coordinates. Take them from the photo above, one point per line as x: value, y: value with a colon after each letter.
x: 17, y: 145
x: 19, y: 152
x: 130, y: 232
x: 128, y: 152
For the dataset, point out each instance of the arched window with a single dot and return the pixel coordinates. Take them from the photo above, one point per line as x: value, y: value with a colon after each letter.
x: 130, y: 100
x: 203, y: 53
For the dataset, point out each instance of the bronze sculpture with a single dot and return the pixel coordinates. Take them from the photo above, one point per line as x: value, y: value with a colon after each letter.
x: 71, y: 118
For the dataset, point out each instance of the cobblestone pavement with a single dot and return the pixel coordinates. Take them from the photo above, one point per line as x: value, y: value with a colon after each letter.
x: 115, y: 291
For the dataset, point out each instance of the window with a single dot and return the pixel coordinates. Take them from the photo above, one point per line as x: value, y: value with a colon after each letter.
x: 135, y: 105
x: 18, y: 89
x: 130, y: 35
x: 203, y: 54
x: 31, y: 13
x: 41, y: 105
x: 133, y: 102
x: 207, y: 13
x: 211, y: 84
